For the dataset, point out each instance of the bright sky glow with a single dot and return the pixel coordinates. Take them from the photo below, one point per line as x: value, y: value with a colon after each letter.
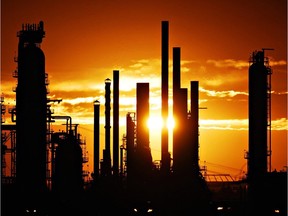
x: 85, y: 42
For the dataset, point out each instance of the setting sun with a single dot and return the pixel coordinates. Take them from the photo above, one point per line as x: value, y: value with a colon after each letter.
x: 156, y: 122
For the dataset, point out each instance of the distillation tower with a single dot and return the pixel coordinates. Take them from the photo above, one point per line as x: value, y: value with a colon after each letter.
x: 31, y: 106
x: 259, y: 156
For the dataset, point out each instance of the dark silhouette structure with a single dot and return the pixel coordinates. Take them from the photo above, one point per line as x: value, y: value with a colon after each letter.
x: 185, y: 132
x: 31, y: 103
x: 96, y: 136
x: 130, y: 145
x: 45, y: 164
x: 106, y: 165
x: 259, y: 95
x: 165, y: 155
x: 266, y: 189
x: 115, y: 123
x: 179, y: 109
x: 67, y: 179
x: 194, y: 125
x: 143, y: 153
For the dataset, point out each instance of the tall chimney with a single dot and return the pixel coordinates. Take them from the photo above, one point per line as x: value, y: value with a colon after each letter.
x: 143, y: 158
x: 176, y: 69
x: 181, y: 152
x: 96, y: 138
x: 106, y: 152
x: 194, y: 122
x: 130, y: 141
x: 178, y: 99
x: 142, y: 115
x: 176, y: 90
x: 115, y: 122
x: 165, y: 156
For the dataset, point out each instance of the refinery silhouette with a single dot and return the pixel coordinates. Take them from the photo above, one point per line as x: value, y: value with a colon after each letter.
x: 47, y: 176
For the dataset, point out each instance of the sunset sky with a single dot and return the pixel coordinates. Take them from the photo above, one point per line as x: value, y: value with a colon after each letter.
x: 86, y: 40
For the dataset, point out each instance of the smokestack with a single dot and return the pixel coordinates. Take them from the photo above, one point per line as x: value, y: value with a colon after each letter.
x: 176, y: 69
x: 181, y: 150
x: 142, y: 115
x: 106, y: 152
x: 164, y: 91
x: 177, y: 102
x: 115, y: 122
x: 130, y: 141
x: 194, y: 122
x: 143, y: 158
x: 96, y: 138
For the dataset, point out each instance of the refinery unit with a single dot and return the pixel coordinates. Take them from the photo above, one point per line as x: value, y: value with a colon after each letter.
x: 46, y: 167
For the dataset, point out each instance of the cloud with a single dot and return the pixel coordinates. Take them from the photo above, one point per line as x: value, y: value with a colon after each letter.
x: 278, y: 63
x: 280, y: 124
x: 79, y: 100
x: 279, y: 93
x: 217, y: 74
x: 142, y: 70
x: 238, y: 64
x: 224, y: 124
x: 92, y: 79
x: 221, y: 94
x: 238, y: 124
x: 75, y: 86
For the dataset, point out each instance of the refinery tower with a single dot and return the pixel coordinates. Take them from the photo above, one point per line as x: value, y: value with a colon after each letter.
x: 31, y: 108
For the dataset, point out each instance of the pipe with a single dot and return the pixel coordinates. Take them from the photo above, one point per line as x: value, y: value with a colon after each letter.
x: 96, y: 138
x: 176, y: 69
x: 164, y: 93
x: 107, y: 155
x: 67, y: 118
x: 142, y: 114
x: 115, y: 122
x: 194, y: 122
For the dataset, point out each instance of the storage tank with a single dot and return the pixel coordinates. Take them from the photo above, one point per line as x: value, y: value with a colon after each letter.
x: 68, y: 166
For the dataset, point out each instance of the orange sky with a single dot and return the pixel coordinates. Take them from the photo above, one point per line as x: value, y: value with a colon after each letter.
x: 86, y: 40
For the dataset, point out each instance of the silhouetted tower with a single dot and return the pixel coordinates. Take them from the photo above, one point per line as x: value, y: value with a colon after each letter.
x: 176, y: 69
x: 259, y: 143
x: 31, y: 106
x: 176, y: 107
x: 130, y: 145
x: 259, y: 115
x: 96, y: 138
x: 194, y: 122
x: 142, y: 115
x: 181, y: 135
x: 107, y: 151
x: 142, y: 131
x: 115, y: 122
x: 165, y: 156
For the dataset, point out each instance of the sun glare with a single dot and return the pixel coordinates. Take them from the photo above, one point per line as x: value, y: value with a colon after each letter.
x: 156, y: 122
x: 170, y: 122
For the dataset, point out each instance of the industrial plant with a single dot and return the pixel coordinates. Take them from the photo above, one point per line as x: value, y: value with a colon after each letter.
x: 47, y: 175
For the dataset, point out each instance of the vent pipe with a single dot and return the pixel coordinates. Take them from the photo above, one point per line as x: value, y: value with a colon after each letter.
x: 165, y: 156
x: 115, y: 122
